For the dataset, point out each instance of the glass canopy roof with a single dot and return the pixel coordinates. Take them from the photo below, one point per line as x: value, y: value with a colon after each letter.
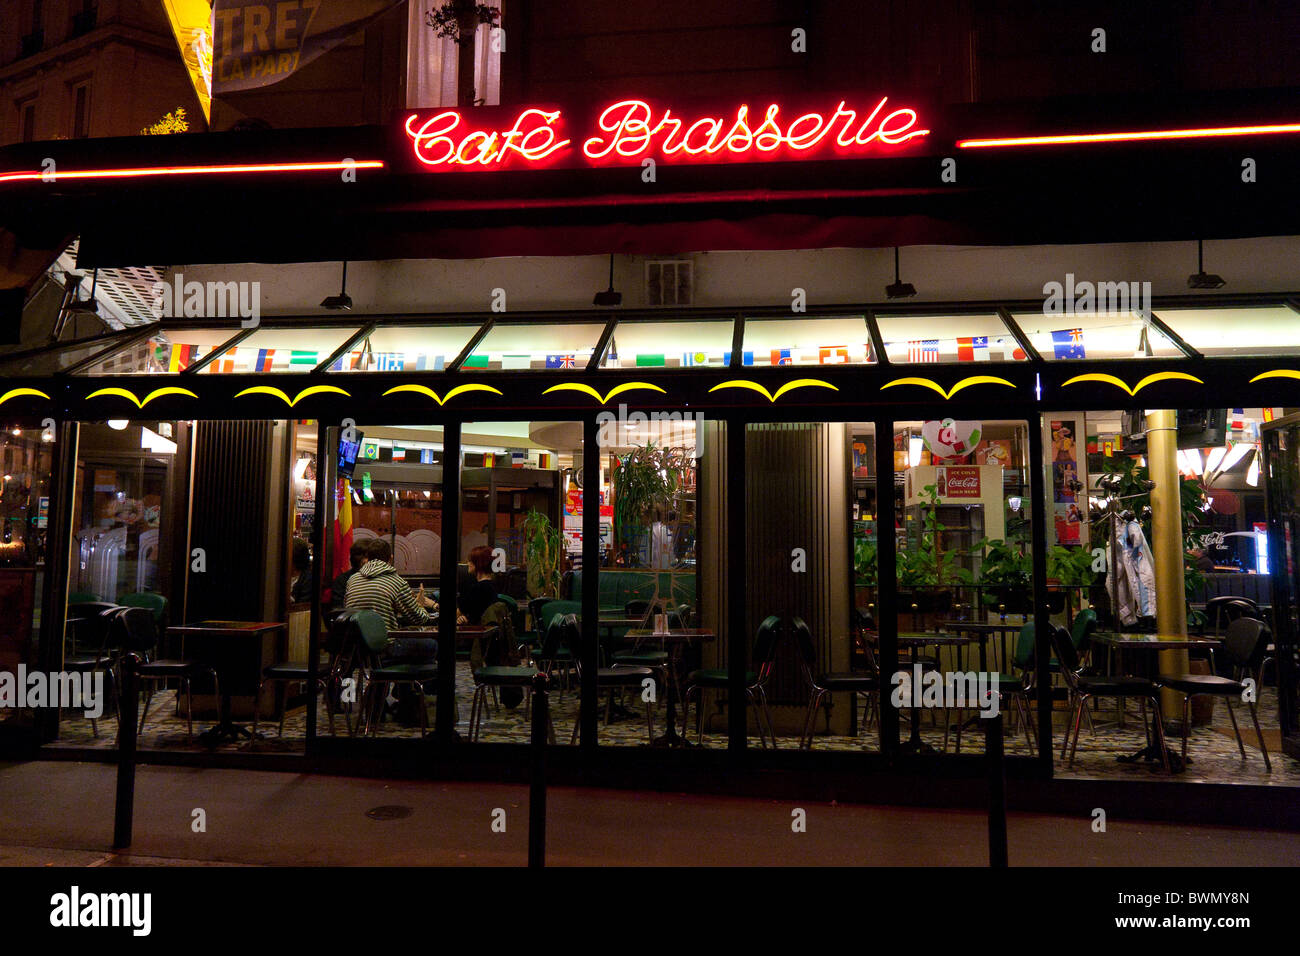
x: 599, y: 340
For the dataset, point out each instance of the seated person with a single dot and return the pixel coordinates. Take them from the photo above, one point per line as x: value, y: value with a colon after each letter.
x: 476, y: 599
x: 376, y: 586
x: 300, y: 590
x: 358, y: 555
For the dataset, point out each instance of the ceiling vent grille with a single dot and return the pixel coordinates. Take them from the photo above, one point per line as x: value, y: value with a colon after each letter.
x: 670, y: 282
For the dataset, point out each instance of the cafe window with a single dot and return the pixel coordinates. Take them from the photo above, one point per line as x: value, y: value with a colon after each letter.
x: 1259, y: 330
x: 808, y: 341
x: 402, y: 348
x: 432, y: 63
x: 293, y: 350
x: 671, y: 345
x: 921, y: 339
x: 535, y: 346
x: 172, y: 351
x: 1095, y: 336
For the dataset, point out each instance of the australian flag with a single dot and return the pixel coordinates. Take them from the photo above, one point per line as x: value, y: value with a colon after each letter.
x: 560, y: 361
x: 1068, y: 343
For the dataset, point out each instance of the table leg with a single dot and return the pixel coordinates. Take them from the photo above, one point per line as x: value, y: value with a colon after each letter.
x: 670, y: 738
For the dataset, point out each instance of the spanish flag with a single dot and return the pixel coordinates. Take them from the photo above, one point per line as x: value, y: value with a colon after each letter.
x: 342, y: 526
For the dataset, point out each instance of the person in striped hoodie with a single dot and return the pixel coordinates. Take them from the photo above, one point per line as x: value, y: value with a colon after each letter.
x: 378, y: 587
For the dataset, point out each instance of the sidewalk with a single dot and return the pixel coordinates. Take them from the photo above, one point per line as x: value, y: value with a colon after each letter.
x: 55, y: 813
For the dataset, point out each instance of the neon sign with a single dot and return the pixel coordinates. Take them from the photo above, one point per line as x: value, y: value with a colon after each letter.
x: 631, y: 131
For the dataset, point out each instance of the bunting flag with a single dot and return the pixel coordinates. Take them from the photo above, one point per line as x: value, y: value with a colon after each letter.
x: 560, y: 361
x: 516, y: 361
x: 1238, y: 419
x: 224, y: 365
x: 265, y: 358
x: 343, y: 527
x: 781, y: 357
x: 833, y: 355
x: 1011, y: 350
x: 390, y: 362
x: 974, y: 348
x: 304, y: 358
x: 923, y: 350
x: 695, y: 358
x: 182, y: 357
x: 643, y: 359
x: 1068, y: 343
x: 476, y: 361
x: 746, y: 358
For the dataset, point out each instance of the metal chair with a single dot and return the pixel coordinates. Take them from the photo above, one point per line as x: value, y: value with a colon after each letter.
x: 372, y: 641
x: 491, y: 676
x: 826, y: 683
x: 135, y: 630
x: 1018, y: 686
x: 764, y: 655
x: 293, y: 672
x: 91, y: 650
x: 1083, y: 687
x: 610, y: 679
x: 1243, y: 646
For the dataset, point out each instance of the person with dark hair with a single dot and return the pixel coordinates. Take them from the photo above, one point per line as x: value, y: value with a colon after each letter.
x: 358, y: 555
x: 376, y: 586
x: 483, y: 592
x: 300, y: 590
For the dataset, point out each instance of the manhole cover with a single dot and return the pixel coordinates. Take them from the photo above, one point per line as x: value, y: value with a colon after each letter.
x: 392, y: 812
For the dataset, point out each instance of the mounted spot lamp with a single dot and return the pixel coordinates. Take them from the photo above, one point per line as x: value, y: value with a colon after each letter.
x: 899, y: 289
x: 609, y: 296
x: 342, y: 300
x: 1202, y: 279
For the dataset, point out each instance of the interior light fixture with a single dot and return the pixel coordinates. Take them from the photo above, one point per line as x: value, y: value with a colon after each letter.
x: 342, y: 300
x: 1194, y: 460
x: 1252, y: 476
x: 609, y: 296
x: 899, y: 289
x: 1215, y: 458
x: 1202, y: 279
x: 118, y: 424
x: 914, y: 446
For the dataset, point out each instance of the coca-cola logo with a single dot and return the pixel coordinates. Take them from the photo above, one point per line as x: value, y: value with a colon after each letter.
x: 959, y: 482
x: 971, y: 482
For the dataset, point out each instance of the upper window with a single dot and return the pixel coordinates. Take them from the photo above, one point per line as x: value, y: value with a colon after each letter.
x: 1094, y: 336
x: 432, y: 62
x: 831, y: 341
x: 670, y: 344
x: 407, y: 348
x: 81, y: 110
x: 530, y: 345
x: 1262, y: 330
x: 977, y: 337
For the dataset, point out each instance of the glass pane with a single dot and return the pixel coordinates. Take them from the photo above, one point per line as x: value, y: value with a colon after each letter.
x: 964, y: 571
x: 284, y: 350
x: 650, y: 518
x: 25, y: 501
x: 1267, y: 330
x: 915, y: 339
x: 671, y: 344
x: 837, y: 341
x: 402, y: 348
x: 1105, y: 336
x: 514, y: 567
x: 536, y: 346
x: 171, y: 351
x: 49, y: 363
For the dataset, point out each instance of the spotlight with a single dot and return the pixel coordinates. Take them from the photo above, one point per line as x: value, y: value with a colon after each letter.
x: 1203, y: 279
x: 609, y: 296
x: 342, y: 300
x: 914, y: 446
x: 118, y: 424
x: 1252, y: 475
x: 899, y: 289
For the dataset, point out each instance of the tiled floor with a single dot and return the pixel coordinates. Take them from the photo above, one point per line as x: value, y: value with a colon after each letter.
x: 1213, y: 749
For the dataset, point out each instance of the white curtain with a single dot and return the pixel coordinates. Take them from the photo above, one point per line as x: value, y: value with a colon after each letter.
x: 431, y: 62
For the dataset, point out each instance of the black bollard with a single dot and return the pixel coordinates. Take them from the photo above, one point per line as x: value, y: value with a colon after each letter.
x: 124, y: 808
x: 997, y: 791
x: 537, y: 786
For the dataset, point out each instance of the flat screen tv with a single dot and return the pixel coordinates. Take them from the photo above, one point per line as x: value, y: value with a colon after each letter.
x: 348, y: 451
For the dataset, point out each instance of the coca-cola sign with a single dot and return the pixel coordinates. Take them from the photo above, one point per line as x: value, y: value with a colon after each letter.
x: 958, y: 481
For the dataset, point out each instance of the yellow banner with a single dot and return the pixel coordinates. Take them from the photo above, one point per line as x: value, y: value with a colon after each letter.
x: 191, y: 22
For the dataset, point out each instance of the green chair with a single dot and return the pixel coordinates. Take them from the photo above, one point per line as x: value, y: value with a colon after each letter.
x: 1017, y: 686
x: 715, y: 679
x: 156, y: 604
x: 373, y: 641
x: 1085, y: 623
x: 492, y: 676
x: 82, y: 597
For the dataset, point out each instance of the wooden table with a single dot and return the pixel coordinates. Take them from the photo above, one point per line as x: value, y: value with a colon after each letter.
x: 227, y: 647
x: 675, y: 641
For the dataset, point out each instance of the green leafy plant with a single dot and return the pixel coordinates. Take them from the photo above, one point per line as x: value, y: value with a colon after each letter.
x: 865, y: 560
x: 1006, y: 572
x: 641, y: 484
x: 543, y: 546
x: 928, y: 564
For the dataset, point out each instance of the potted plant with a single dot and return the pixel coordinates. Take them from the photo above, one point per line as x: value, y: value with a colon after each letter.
x: 458, y: 21
x: 543, y: 548
x: 925, y: 571
x: 641, y: 485
x: 1006, y: 576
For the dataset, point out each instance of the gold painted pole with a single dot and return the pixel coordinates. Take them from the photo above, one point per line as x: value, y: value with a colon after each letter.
x: 1167, y: 547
